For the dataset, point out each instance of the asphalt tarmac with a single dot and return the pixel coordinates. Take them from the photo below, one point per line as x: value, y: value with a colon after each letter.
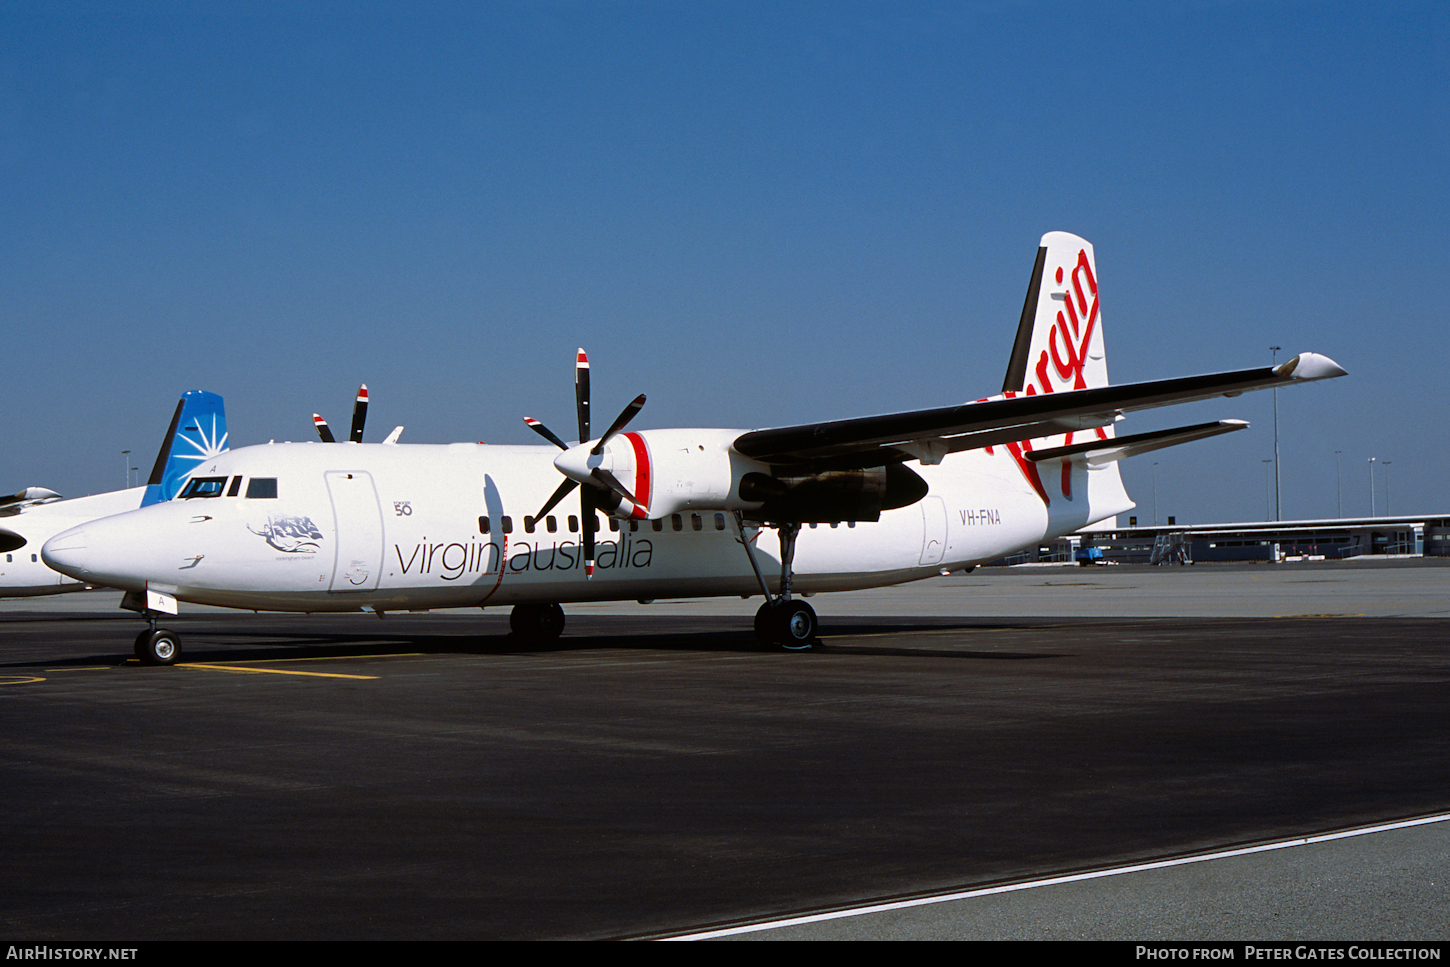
x: 655, y: 773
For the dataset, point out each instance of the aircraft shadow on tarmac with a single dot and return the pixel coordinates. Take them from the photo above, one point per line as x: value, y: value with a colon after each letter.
x: 860, y: 637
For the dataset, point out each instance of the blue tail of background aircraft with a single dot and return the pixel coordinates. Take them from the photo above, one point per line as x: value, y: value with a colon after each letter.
x: 198, y: 432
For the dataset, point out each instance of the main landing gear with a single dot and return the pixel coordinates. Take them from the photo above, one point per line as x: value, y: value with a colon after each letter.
x: 789, y: 624
x: 537, y: 623
x: 780, y: 621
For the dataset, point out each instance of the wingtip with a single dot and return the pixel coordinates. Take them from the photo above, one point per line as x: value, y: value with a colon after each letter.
x: 1308, y: 366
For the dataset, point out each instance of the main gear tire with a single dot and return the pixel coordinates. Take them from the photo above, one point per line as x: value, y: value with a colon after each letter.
x: 791, y: 625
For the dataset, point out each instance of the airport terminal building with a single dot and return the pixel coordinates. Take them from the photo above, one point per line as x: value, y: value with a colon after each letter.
x: 1279, y: 540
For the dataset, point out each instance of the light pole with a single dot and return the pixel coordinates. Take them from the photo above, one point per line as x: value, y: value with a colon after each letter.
x: 1386, y: 465
x: 126, y: 466
x: 1277, y: 512
x: 1338, y: 498
x: 1155, y: 492
x: 1371, y: 486
x: 1266, y: 489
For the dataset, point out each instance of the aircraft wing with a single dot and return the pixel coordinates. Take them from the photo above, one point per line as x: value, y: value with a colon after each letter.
x: 12, y: 504
x: 929, y: 434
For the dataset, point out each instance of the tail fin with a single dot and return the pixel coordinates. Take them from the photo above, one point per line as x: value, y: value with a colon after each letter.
x: 198, y: 432
x: 1060, y: 337
x: 1059, y: 348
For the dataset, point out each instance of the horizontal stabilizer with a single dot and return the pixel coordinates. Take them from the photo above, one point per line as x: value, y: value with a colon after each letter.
x: 1101, y: 452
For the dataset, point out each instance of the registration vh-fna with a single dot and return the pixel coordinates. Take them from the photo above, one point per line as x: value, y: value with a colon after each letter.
x: 854, y: 503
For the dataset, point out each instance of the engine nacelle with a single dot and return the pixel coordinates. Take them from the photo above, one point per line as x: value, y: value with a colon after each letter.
x: 673, y: 471
x: 833, y: 495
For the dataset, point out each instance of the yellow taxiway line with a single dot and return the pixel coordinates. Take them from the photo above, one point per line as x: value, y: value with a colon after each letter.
x: 267, y: 671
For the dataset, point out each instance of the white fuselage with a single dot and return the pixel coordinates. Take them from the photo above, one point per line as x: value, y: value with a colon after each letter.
x: 22, y: 572
x: 394, y: 527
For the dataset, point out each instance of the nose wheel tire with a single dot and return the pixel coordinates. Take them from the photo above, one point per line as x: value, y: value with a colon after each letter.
x: 537, y: 623
x: 158, y: 647
x: 790, y: 625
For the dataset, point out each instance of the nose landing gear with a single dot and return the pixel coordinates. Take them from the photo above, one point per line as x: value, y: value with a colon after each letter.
x: 158, y: 646
x: 154, y: 646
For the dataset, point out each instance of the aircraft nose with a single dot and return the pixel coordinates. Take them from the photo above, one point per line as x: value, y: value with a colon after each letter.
x: 101, y: 551
x: 66, y: 552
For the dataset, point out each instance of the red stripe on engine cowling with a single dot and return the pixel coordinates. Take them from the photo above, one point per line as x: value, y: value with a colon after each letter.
x: 641, y: 475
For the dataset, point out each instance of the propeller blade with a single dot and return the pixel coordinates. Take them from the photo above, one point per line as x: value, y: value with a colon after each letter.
x: 588, y: 520
x: 625, y: 416
x: 322, y: 428
x: 612, y: 482
x: 581, y: 393
x: 359, y: 414
x: 558, y: 495
x: 546, y: 433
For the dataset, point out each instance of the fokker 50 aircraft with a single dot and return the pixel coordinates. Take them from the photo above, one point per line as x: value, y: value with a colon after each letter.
x: 854, y: 503
x: 198, y: 432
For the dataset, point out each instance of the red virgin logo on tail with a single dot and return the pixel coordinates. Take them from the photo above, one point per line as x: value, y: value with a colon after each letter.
x: 1074, y: 332
x: 1060, y: 366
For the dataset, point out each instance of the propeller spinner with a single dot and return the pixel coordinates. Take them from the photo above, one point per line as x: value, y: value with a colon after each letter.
x: 580, y: 464
x: 359, y: 417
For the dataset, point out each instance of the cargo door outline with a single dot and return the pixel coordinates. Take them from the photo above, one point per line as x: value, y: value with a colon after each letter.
x: 358, y: 525
x: 934, y: 529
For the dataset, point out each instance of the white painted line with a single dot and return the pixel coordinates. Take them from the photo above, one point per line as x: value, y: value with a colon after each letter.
x: 1055, y: 880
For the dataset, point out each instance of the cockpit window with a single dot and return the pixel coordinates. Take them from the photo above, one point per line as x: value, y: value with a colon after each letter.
x: 204, y: 487
x: 261, y: 487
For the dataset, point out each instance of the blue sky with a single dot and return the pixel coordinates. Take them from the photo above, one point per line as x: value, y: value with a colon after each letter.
x: 757, y: 213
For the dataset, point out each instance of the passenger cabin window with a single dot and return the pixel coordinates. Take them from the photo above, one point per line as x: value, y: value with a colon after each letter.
x: 204, y: 487
x: 261, y: 488
x: 505, y: 524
